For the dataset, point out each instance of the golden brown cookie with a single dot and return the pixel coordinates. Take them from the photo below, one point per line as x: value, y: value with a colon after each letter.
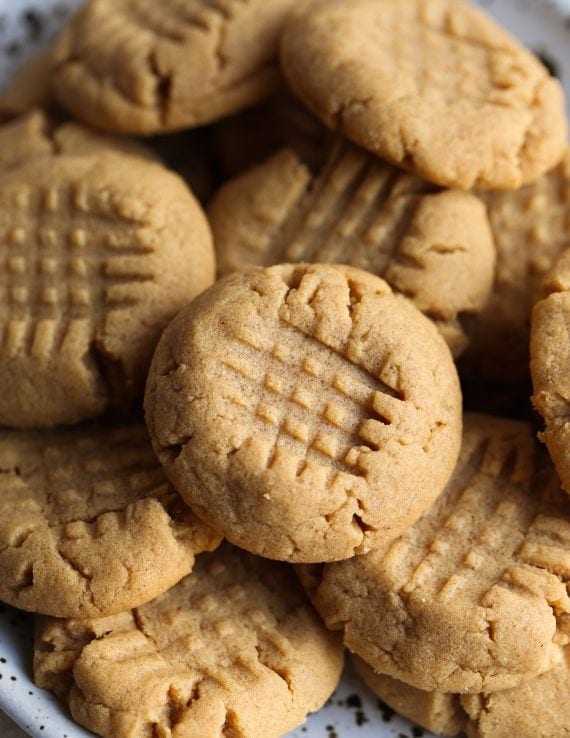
x: 98, y: 252
x: 531, y: 228
x: 89, y: 524
x: 550, y: 364
x: 435, y: 86
x: 136, y: 66
x: 234, y: 650
x: 438, y: 712
x: 433, y: 246
x: 473, y: 597
x: 539, y: 708
x: 304, y: 411
x: 35, y: 134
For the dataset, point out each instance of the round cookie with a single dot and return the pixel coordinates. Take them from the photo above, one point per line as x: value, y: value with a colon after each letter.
x: 98, y: 252
x: 304, y: 411
x: 135, y: 66
x: 434, y: 86
x: 473, y: 597
x: 234, y: 649
x: 550, y: 364
x: 89, y: 524
x: 35, y: 134
x: 433, y: 246
x: 539, y: 708
x: 531, y: 228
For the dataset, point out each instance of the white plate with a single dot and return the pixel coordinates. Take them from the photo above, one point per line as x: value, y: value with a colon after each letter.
x: 544, y: 25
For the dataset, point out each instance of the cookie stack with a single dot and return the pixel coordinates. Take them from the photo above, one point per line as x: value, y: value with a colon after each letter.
x: 381, y: 225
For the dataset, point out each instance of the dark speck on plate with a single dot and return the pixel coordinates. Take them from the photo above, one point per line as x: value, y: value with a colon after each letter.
x: 354, y: 701
x: 361, y: 717
x: 387, y: 712
x: 12, y: 49
x: 34, y: 24
x: 418, y: 732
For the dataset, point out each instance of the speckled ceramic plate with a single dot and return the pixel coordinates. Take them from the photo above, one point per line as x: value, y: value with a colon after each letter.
x: 26, y: 25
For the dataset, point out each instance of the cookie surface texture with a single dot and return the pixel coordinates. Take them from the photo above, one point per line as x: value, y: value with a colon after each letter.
x: 134, y: 66
x: 435, y: 86
x: 438, y: 712
x: 304, y: 411
x: 234, y: 649
x: 89, y: 524
x: 99, y: 251
x: 433, y: 246
x: 531, y: 229
x: 550, y: 364
x: 538, y: 708
x: 473, y: 597
x: 36, y: 134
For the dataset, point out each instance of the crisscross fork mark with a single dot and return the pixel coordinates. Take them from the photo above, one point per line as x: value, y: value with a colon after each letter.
x: 453, y: 520
x: 356, y: 212
x: 88, y: 470
x: 54, y: 283
x: 308, y: 394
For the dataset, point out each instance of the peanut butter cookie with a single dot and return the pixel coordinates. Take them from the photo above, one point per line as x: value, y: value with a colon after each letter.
x: 35, y: 134
x: 434, y: 86
x: 137, y: 66
x: 538, y: 708
x: 473, y: 597
x: 98, y: 251
x: 433, y: 246
x: 89, y: 524
x: 234, y: 649
x: 305, y: 411
x: 531, y: 228
x: 550, y: 364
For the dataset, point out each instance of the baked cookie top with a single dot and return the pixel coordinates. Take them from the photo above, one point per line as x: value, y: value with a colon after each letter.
x: 98, y: 251
x: 473, y: 597
x: 305, y: 411
x: 433, y: 246
x: 89, y: 524
x: 531, y: 229
x: 136, y: 66
x: 538, y: 707
x: 233, y: 649
x: 36, y: 134
x: 435, y: 86
x: 550, y: 364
